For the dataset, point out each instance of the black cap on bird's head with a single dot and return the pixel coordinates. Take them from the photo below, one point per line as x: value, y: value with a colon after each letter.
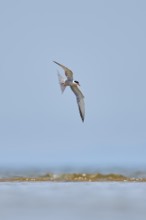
x: 77, y: 82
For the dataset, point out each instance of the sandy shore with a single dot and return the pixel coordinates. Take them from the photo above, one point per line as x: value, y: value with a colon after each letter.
x: 74, y: 177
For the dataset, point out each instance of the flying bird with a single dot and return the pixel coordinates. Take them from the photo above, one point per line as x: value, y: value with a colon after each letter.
x: 74, y: 87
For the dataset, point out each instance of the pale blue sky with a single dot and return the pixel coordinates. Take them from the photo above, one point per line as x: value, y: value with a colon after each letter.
x: 104, y: 43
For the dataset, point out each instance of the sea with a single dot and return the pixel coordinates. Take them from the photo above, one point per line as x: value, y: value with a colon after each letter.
x: 29, y: 196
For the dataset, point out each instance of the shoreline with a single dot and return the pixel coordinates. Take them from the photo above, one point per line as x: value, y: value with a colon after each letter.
x: 74, y: 177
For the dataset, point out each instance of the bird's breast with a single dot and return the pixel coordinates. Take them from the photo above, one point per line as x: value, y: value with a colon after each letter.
x: 69, y: 83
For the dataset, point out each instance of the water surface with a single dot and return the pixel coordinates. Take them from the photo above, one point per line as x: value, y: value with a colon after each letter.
x: 72, y: 200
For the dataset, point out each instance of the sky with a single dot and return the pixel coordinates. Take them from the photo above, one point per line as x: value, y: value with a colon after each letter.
x: 103, y: 43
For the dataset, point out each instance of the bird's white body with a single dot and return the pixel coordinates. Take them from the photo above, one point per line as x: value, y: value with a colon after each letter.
x: 74, y: 87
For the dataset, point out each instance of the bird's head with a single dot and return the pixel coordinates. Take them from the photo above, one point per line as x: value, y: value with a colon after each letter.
x: 76, y: 82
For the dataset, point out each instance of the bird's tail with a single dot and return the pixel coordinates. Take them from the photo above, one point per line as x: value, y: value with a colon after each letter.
x: 61, y: 82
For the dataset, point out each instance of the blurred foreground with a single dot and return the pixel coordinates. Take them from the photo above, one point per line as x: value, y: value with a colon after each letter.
x: 80, y: 200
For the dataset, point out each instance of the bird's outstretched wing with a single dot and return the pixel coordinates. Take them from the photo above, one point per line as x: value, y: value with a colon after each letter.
x: 68, y: 72
x: 80, y: 101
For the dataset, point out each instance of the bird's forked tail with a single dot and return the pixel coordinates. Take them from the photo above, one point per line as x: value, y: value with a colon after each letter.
x: 61, y: 82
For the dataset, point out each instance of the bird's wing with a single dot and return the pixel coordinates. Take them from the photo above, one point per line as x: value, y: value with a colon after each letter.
x: 80, y: 101
x: 68, y: 72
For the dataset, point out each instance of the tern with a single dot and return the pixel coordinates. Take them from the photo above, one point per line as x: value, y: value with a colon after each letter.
x: 74, y: 87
